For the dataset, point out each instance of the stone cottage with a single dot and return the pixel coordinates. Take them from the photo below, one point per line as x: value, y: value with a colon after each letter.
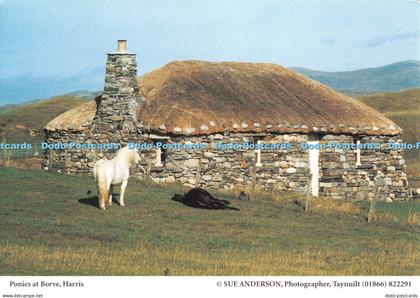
x: 233, y: 121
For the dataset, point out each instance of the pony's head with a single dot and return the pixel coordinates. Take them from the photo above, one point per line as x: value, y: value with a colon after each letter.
x: 177, y: 198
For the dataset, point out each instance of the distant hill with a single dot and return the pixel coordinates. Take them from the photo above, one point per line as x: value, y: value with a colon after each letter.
x: 28, y: 87
x: 23, y: 122
x: 389, y: 78
x: 84, y: 94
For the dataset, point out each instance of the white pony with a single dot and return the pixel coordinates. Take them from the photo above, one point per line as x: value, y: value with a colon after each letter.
x: 112, y: 172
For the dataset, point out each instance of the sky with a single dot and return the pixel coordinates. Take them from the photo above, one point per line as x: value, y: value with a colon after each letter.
x: 67, y: 38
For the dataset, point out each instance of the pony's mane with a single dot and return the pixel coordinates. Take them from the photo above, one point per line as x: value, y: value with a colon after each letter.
x: 126, y: 153
x: 122, y: 151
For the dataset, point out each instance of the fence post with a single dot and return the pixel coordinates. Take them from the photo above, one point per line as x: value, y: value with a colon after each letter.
x: 198, y: 176
x: 372, y: 208
x: 253, y: 181
x: 149, y: 167
x: 308, y: 192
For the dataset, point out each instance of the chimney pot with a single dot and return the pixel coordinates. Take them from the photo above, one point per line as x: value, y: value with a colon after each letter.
x: 122, y: 46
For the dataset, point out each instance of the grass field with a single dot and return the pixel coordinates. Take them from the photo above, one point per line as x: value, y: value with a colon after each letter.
x: 51, y: 226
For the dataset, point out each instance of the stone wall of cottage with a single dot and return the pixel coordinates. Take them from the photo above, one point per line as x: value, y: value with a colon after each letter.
x: 281, y: 170
x: 340, y: 177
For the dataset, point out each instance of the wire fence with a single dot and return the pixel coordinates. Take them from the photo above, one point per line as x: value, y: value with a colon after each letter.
x: 9, y: 153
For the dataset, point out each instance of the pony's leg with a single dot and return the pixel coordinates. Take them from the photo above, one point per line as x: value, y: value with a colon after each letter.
x: 123, y: 186
x: 110, y: 195
x: 101, y: 201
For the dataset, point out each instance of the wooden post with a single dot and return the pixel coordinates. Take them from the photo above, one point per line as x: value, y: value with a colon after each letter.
x: 147, y: 176
x: 308, y: 192
x: 372, y: 208
x: 253, y: 180
x: 411, y: 217
x: 6, y: 155
x: 149, y: 167
x: 198, y: 176
x: 380, y: 184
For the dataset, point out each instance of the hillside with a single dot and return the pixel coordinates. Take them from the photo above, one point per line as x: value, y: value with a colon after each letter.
x: 393, y: 77
x: 4, y: 108
x: 21, y: 122
x: 404, y: 109
x: 408, y: 100
x: 401, y: 107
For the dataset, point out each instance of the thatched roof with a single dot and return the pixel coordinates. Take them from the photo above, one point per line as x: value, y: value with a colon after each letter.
x: 196, y: 97
x: 78, y: 118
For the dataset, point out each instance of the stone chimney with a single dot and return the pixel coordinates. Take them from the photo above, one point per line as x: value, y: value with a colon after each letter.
x: 116, y: 108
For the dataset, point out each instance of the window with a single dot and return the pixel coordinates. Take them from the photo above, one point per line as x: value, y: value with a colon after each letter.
x: 158, y: 162
x: 257, y: 156
x: 161, y: 151
x: 255, y: 140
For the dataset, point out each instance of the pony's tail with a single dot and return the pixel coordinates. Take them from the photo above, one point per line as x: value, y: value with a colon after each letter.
x: 102, y: 185
x: 102, y: 192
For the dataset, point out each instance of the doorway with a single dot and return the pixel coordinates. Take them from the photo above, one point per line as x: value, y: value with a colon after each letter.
x: 313, y: 142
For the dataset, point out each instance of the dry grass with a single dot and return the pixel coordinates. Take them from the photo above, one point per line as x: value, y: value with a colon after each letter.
x: 328, y: 206
x: 413, y: 217
x: 343, y: 209
x: 23, y: 163
x: 143, y: 260
x: 408, y: 100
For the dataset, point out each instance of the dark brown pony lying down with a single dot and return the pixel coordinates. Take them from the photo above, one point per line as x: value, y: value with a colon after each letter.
x: 200, y: 198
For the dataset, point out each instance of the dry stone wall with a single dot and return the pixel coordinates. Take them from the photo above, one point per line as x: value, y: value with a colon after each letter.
x: 341, y: 177
x: 117, y: 107
x: 281, y: 169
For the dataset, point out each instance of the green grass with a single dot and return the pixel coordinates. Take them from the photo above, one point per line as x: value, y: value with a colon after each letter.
x: 49, y: 227
x: 399, y: 214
